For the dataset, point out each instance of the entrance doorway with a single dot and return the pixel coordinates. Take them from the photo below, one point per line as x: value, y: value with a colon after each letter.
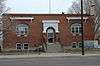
x: 50, y: 35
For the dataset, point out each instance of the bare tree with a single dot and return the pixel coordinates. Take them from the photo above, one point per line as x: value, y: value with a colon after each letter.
x: 76, y: 6
x: 97, y: 19
x: 2, y: 6
x: 3, y: 9
x: 91, y: 7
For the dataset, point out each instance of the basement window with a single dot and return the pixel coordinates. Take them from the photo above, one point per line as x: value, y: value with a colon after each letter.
x: 19, y: 46
x: 80, y: 44
x: 74, y: 45
x: 25, y: 46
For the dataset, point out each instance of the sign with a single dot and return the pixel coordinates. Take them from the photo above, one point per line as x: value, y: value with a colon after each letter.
x: 91, y: 44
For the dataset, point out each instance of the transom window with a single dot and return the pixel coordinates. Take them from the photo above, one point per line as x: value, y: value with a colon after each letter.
x: 22, y: 29
x: 76, y: 28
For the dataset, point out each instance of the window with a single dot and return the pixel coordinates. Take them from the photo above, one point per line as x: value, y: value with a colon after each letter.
x: 74, y: 45
x: 1, y: 32
x: 50, y: 32
x: 76, y: 28
x: 22, y: 29
x: 50, y: 35
x: 1, y: 36
x: 80, y: 29
x: 19, y: 46
x: 80, y: 44
x: 25, y: 46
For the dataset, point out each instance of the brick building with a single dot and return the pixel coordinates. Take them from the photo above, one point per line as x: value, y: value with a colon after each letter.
x: 28, y: 31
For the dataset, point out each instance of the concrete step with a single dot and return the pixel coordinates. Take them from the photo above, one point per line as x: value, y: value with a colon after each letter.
x: 53, y: 48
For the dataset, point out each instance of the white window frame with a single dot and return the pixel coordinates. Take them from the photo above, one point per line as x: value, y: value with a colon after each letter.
x: 76, y: 25
x: 17, y: 46
x: 20, y: 28
x: 75, y: 44
x: 24, y: 46
x: 50, y: 23
x: 79, y: 44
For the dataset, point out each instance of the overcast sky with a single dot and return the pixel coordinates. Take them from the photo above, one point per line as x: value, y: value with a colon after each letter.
x: 38, y: 6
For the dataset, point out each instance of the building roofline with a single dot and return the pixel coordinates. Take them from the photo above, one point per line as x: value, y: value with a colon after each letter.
x: 31, y: 14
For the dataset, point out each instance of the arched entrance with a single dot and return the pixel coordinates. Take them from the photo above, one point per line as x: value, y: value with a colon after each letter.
x: 50, y: 35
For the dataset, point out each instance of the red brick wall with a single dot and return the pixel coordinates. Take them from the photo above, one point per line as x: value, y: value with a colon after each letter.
x: 36, y: 35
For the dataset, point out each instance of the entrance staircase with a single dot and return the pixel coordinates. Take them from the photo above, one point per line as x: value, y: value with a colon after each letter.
x: 53, y: 48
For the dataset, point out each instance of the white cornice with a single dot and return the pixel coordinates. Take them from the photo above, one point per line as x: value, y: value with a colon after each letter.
x: 21, y: 18
x: 50, y: 21
x: 69, y: 18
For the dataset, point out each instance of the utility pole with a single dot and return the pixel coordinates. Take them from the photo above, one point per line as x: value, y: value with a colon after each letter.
x: 82, y: 26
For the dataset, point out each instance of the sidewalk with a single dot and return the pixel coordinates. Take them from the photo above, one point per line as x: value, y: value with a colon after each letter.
x: 46, y: 55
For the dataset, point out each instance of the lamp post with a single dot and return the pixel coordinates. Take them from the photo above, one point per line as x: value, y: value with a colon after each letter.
x: 82, y: 40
